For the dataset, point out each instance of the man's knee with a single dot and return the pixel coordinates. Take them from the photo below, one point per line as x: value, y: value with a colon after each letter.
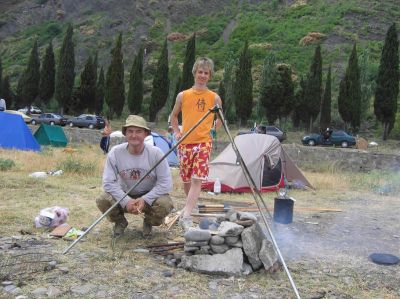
x: 159, y: 210
x: 163, y: 205
x: 103, y: 202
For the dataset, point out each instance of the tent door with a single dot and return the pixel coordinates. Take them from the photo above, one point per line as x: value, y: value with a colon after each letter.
x: 271, y: 175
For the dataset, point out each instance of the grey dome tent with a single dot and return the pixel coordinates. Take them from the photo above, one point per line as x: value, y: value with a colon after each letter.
x: 264, y: 156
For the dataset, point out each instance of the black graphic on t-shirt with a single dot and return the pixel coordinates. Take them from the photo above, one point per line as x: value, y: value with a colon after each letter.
x: 201, y: 105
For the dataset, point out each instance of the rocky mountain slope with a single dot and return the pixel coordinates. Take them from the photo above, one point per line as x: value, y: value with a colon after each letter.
x: 279, y: 27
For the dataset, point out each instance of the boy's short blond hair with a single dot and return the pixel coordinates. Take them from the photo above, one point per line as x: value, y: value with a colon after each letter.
x: 203, y: 62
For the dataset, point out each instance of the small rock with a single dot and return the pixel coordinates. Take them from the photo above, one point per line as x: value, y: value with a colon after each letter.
x: 141, y: 250
x: 219, y: 248
x: 6, y: 283
x: 204, y: 223
x: 54, y: 292
x: 39, y: 292
x: 63, y: 270
x: 213, y: 285
x: 194, y: 234
x: 196, y: 243
x: 170, y: 263
x: 178, y: 255
x: 101, y: 294
x: 247, y: 269
x: 233, y: 217
x: 190, y: 248
x: 82, y: 289
x: 167, y: 273
x: 231, y: 240
x: 12, y: 289
x: 21, y: 297
x: 229, y: 229
x: 247, y: 216
x: 245, y: 223
x: 238, y: 244
x: 217, y: 240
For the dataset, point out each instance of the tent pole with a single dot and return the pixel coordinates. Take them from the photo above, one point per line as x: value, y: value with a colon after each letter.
x: 133, y: 187
x: 253, y: 187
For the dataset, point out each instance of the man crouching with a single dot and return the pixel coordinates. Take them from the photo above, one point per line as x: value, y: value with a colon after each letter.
x: 126, y: 164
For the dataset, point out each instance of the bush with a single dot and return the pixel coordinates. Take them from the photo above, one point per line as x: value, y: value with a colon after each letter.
x: 6, y: 164
x: 73, y: 165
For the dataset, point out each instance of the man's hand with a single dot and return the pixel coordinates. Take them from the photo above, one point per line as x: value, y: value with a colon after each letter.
x: 178, y: 136
x: 135, y: 206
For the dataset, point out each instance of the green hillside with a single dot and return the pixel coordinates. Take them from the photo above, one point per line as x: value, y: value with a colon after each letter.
x: 276, y: 27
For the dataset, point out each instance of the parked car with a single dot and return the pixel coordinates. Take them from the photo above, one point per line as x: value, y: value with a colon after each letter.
x: 34, y: 110
x: 49, y: 119
x: 27, y: 119
x: 338, y: 138
x: 269, y: 130
x: 87, y: 121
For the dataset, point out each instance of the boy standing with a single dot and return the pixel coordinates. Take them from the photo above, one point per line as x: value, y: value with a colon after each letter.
x: 195, y: 150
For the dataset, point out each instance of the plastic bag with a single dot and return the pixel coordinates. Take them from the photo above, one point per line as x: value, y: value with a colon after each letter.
x: 51, y: 217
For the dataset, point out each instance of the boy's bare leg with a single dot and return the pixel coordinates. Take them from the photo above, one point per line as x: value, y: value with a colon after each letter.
x: 186, y: 188
x: 192, y: 197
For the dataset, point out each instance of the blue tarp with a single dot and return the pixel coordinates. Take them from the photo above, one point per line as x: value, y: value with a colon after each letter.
x: 165, y: 146
x: 15, y: 134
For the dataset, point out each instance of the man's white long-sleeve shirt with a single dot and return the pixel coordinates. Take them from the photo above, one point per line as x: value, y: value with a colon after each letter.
x: 123, y: 170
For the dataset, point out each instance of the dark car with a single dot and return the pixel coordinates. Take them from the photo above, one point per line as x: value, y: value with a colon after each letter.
x: 87, y: 121
x: 339, y: 138
x: 269, y: 130
x: 49, y: 119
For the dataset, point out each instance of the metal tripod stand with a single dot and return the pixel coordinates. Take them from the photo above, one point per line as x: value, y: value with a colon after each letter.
x: 255, y: 192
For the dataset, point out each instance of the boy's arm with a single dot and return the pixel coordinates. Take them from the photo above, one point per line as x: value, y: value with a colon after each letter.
x: 174, y: 116
x: 218, y: 102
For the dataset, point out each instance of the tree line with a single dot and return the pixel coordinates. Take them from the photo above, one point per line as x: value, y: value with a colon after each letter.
x: 279, y: 98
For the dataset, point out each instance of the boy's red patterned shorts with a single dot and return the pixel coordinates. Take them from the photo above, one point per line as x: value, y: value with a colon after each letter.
x: 193, y: 160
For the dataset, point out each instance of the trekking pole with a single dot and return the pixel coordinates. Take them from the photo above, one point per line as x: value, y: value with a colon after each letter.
x: 134, y: 186
x: 253, y: 187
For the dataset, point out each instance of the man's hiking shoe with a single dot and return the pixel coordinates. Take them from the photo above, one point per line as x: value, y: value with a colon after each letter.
x: 119, y: 228
x: 185, y: 223
x: 147, y: 227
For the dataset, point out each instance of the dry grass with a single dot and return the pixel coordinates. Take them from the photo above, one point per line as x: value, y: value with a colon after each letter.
x: 122, y: 273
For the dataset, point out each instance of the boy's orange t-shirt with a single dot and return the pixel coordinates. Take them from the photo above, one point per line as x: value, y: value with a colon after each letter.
x: 195, y: 104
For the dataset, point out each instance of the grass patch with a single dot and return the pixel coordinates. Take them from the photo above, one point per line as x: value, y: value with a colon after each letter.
x: 6, y: 164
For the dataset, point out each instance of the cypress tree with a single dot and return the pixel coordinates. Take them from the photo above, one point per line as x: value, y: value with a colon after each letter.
x: 325, y: 119
x: 187, y: 75
x: 95, y: 65
x: 47, y: 76
x: 65, y: 71
x: 244, y: 86
x: 100, y: 89
x: 277, y: 90
x: 387, y: 82
x: 159, y: 94
x: 314, y: 87
x: 228, y: 102
x: 268, y: 90
x: 367, y: 82
x: 1, y: 78
x: 349, y: 100
x: 300, y: 112
x: 136, y: 85
x: 115, y: 90
x: 87, y: 90
x: 30, y: 89
x: 6, y: 92
x: 19, y: 97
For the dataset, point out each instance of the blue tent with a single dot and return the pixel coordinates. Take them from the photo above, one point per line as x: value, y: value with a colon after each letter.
x: 15, y: 134
x: 165, y: 146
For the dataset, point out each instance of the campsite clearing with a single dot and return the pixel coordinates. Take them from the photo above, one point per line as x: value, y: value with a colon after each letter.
x: 326, y: 248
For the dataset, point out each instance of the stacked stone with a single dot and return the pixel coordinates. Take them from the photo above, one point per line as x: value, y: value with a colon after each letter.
x: 229, y: 228
x: 237, y: 246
